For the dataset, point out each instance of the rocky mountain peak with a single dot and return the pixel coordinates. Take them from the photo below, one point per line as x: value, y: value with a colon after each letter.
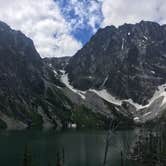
x: 17, y: 43
x: 20, y: 63
x: 28, y: 87
x: 128, y: 61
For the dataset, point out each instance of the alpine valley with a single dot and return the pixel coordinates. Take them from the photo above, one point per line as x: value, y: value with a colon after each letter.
x: 119, y: 75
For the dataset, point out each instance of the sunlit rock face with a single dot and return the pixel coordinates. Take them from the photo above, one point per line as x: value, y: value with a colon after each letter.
x: 128, y: 61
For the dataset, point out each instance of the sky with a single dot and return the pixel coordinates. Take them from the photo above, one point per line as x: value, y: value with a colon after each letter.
x: 61, y: 27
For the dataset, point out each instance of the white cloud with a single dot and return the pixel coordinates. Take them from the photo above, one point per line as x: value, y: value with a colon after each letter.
x: 87, y: 13
x: 50, y: 26
x: 42, y: 21
x: 117, y: 12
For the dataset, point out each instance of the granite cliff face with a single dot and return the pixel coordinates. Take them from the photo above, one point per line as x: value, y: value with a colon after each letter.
x: 20, y: 64
x: 28, y: 88
x: 128, y: 61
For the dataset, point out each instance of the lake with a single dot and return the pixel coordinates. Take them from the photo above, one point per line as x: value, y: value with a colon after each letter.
x: 81, y: 148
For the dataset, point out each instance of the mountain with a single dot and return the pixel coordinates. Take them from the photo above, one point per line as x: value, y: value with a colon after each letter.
x: 32, y: 93
x: 29, y: 96
x: 128, y: 61
x: 125, y: 65
x: 99, y: 108
x: 119, y: 75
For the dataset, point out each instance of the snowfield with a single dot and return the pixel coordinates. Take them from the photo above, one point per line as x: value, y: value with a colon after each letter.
x: 65, y: 80
x: 104, y: 94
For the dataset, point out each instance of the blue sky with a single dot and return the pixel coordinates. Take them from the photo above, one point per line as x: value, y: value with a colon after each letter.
x: 82, y: 31
x: 61, y: 27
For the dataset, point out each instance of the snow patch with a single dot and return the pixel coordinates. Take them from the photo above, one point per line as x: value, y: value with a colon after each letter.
x: 164, y: 99
x: 111, y: 99
x: 55, y: 72
x: 105, y: 80
x: 145, y: 38
x: 136, y: 105
x: 62, y: 71
x: 72, y: 125
x: 148, y: 113
x: 158, y: 93
x: 106, y: 96
x: 153, y: 72
x: 123, y: 41
x: 90, y: 77
x: 136, y: 119
x: 50, y: 65
x: 65, y: 80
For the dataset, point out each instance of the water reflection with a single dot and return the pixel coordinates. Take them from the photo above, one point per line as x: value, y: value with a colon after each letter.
x: 81, y: 148
x: 149, y: 148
